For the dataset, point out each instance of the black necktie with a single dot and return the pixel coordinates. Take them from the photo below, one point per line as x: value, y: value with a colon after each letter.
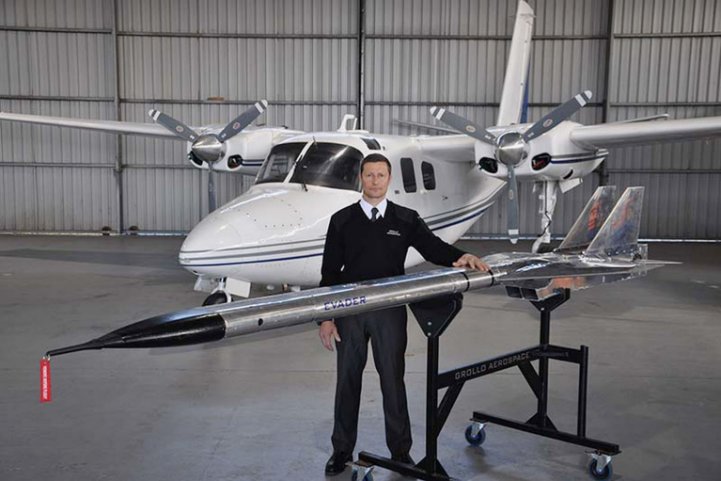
x: 374, y: 214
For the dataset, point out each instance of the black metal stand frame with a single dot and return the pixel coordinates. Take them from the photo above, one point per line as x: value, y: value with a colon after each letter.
x: 434, y: 317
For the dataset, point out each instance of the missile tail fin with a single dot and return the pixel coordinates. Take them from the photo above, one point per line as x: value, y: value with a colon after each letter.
x: 619, y: 233
x: 589, y: 223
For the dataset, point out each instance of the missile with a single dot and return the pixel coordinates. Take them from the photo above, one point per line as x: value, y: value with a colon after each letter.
x: 213, y: 323
x: 601, y: 247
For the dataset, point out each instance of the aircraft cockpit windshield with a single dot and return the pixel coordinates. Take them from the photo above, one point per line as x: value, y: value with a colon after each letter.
x: 279, y: 162
x: 329, y: 165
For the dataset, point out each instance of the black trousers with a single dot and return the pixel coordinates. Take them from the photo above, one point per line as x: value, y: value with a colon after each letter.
x: 387, y: 333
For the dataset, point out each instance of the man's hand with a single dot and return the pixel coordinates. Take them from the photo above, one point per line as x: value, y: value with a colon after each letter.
x: 328, y: 332
x: 473, y: 262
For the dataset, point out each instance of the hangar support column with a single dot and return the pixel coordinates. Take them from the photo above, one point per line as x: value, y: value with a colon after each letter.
x: 118, y: 114
x: 602, y: 172
x: 361, y: 61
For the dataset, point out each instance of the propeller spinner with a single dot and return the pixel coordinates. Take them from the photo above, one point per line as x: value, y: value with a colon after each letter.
x: 209, y: 148
x: 511, y: 147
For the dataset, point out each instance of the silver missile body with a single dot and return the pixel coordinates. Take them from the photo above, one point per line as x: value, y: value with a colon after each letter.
x: 323, y: 303
x: 212, y: 323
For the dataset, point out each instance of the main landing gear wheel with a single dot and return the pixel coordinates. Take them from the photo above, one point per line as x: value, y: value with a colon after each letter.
x: 218, y: 297
x: 600, y: 467
x: 476, y: 434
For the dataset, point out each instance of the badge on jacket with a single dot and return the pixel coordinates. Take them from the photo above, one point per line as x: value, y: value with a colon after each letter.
x: 393, y: 232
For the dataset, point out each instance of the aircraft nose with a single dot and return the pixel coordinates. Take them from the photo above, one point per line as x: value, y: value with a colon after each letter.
x: 211, y: 234
x: 265, y: 235
x: 238, y: 232
x: 211, y: 243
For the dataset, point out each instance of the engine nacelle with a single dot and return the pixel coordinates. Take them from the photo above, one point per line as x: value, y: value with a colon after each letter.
x: 246, y: 151
x: 552, y: 156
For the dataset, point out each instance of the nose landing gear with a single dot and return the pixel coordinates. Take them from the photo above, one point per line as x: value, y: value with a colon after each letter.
x: 219, y: 295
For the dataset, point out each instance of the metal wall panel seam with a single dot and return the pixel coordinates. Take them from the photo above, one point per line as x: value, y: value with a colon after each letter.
x: 265, y: 36
x: 16, y: 163
x: 504, y: 38
x: 8, y: 28
x: 668, y: 35
x: 665, y: 171
x: 291, y: 103
x: 423, y: 103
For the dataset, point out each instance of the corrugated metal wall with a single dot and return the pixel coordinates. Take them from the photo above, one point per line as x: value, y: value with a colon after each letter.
x: 302, y: 55
x: 667, y: 58
x: 51, y: 179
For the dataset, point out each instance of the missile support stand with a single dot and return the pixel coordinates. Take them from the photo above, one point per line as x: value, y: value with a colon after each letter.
x: 540, y: 424
x: 434, y: 317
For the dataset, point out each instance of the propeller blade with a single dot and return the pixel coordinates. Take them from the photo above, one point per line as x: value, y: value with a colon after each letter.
x: 243, y: 120
x: 557, y: 115
x: 175, y: 126
x: 463, y: 126
x: 512, y: 205
x: 212, y: 203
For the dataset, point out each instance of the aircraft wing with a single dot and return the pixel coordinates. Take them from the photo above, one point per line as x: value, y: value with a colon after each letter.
x: 110, y: 126
x: 618, y: 134
x: 452, y: 148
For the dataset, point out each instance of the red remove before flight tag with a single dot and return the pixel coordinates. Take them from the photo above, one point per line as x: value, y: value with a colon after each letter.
x: 46, y: 394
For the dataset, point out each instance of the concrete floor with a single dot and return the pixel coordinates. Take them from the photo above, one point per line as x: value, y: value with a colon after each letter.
x: 261, y: 409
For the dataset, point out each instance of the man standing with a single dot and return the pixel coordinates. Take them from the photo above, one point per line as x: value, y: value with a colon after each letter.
x: 370, y: 240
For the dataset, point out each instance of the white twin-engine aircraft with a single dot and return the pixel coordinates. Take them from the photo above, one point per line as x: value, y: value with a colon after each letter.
x: 274, y: 233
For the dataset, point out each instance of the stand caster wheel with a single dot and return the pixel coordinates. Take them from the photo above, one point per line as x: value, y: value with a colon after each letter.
x: 476, y: 434
x: 368, y: 476
x: 219, y: 297
x: 603, y: 474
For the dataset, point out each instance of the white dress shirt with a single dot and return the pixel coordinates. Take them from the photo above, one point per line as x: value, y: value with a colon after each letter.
x: 367, y: 207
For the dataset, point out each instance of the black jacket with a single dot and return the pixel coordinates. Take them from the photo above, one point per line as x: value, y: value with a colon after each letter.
x: 357, y: 249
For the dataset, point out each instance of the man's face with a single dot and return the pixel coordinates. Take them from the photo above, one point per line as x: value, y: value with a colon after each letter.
x: 375, y: 179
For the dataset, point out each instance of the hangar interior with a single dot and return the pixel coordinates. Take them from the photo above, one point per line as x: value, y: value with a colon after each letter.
x: 316, y: 61
x: 261, y: 408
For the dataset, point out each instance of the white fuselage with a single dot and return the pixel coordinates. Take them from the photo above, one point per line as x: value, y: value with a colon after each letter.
x: 276, y: 230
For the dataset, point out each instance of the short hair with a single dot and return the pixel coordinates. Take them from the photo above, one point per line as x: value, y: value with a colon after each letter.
x: 372, y: 158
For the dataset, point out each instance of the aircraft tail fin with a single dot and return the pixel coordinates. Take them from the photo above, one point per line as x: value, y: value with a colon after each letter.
x: 592, y: 217
x: 519, y: 57
x: 619, y: 233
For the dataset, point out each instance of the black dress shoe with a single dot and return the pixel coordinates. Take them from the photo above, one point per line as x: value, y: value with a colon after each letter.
x: 404, y: 458
x: 336, y: 463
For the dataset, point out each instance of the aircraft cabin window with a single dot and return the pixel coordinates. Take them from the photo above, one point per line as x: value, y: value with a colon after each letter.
x: 429, y: 176
x: 409, y: 175
x: 279, y: 162
x: 329, y: 165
